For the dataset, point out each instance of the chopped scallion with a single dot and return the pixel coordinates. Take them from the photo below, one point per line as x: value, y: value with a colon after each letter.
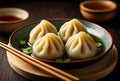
x: 98, y: 44
x: 22, y: 42
x: 66, y: 60
x: 27, y: 50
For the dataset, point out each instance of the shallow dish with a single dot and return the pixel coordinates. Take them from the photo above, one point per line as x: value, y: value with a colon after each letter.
x: 12, y: 18
x: 92, y: 28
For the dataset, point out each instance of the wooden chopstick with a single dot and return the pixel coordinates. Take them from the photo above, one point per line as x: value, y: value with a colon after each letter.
x: 44, y: 66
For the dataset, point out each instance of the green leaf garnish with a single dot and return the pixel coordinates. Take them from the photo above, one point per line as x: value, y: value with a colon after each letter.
x: 27, y: 50
x: 98, y: 44
x: 60, y: 60
x: 22, y: 42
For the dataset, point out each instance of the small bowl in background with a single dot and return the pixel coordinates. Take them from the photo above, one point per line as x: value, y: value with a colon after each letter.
x: 12, y: 18
x: 98, y: 11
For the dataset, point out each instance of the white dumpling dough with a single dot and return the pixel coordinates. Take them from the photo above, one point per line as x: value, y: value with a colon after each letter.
x: 41, y: 29
x: 49, y: 46
x: 81, y: 45
x: 70, y: 28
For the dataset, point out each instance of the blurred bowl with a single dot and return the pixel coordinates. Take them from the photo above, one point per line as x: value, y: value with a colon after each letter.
x: 92, y: 28
x: 12, y: 18
x: 98, y: 11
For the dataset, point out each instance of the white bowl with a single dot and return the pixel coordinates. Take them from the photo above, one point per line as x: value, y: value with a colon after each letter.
x: 12, y: 18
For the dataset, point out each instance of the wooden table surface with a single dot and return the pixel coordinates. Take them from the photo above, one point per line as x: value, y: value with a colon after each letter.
x: 54, y: 9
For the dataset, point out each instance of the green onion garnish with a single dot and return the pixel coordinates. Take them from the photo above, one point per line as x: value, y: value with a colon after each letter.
x: 60, y: 60
x: 22, y: 42
x: 98, y: 44
x: 27, y: 50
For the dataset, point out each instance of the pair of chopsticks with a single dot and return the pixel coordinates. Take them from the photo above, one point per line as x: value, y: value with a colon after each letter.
x: 44, y: 66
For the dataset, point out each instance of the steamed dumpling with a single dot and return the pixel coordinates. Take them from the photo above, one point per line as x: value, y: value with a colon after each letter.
x: 70, y: 28
x: 49, y: 46
x: 41, y: 29
x: 81, y: 45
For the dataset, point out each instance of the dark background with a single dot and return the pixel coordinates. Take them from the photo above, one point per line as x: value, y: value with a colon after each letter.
x: 55, y: 7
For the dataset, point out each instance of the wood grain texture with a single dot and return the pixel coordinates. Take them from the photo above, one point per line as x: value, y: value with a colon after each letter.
x: 102, y: 68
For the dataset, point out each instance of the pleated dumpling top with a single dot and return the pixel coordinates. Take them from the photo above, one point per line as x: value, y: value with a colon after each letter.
x: 49, y: 46
x: 80, y: 46
x: 70, y: 28
x: 41, y: 29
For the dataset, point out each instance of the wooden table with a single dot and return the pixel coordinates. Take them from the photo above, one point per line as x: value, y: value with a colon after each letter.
x: 54, y: 9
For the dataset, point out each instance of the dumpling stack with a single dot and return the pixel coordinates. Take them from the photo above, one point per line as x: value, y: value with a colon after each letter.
x: 70, y: 28
x: 41, y: 29
x: 72, y: 38
x: 46, y: 44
